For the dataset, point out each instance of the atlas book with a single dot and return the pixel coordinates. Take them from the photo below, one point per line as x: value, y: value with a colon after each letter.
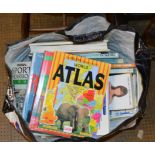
x: 32, y: 85
x: 74, y: 96
x: 20, y: 76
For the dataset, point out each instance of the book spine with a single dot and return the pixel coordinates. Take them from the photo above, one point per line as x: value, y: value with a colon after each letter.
x: 107, y: 55
x: 121, y: 70
x: 123, y: 65
x: 32, y: 85
x: 111, y: 61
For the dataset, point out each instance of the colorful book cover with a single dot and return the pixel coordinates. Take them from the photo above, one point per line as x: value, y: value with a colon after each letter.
x: 32, y: 85
x: 44, y: 75
x: 74, y: 97
x: 20, y: 76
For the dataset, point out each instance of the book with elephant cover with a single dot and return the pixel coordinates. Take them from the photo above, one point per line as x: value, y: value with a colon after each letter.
x: 74, y: 96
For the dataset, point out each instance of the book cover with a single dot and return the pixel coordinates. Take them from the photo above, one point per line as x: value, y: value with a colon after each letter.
x: 74, y: 97
x: 120, y: 90
x: 32, y: 85
x: 20, y: 76
x: 41, y: 89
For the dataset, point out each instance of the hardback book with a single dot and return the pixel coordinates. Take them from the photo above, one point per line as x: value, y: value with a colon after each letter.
x: 120, y: 92
x: 122, y: 70
x: 32, y: 85
x: 41, y: 89
x: 111, y: 60
x: 74, y: 96
x: 53, y: 43
x: 96, y: 55
x: 97, y: 46
x: 20, y: 76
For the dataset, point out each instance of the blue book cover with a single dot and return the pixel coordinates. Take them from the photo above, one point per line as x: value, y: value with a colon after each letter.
x: 32, y: 85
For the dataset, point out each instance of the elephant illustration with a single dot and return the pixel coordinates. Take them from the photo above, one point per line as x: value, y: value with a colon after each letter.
x: 77, y: 116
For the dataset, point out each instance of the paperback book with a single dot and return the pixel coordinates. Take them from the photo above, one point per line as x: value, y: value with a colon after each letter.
x: 20, y: 76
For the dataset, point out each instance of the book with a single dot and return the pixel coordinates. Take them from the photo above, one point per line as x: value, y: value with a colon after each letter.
x: 121, y: 70
x: 74, y: 97
x: 32, y: 85
x: 41, y: 89
x: 111, y: 60
x: 97, y: 46
x: 95, y: 55
x: 123, y: 65
x: 53, y: 43
x: 120, y: 90
x: 123, y: 113
x: 104, y: 122
x: 20, y: 76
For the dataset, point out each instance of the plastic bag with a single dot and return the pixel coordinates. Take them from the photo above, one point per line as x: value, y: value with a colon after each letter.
x: 89, y: 28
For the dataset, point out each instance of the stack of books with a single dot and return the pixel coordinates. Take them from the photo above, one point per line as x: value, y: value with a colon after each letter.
x: 82, y: 90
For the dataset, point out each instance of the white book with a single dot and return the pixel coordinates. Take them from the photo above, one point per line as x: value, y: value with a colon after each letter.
x: 99, y: 46
x: 120, y: 92
x: 104, y: 122
x: 53, y: 43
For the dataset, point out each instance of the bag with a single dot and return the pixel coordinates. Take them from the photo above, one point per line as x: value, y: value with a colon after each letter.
x: 89, y: 28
